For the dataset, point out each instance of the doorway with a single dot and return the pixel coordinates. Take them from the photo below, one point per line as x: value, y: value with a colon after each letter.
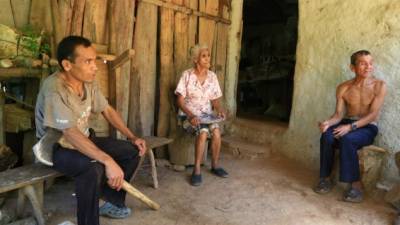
x: 268, y: 58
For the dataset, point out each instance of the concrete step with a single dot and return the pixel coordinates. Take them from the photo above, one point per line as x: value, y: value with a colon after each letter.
x: 244, y: 149
x: 258, y: 132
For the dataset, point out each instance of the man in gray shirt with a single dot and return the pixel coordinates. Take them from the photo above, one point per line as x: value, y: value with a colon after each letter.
x: 99, y: 165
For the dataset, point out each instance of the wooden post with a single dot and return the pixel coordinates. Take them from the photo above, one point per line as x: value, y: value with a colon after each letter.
x: 65, y: 12
x: 77, y: 17
x: 167, y: 74
x: 235, y: 38
x: 94, y: 21
x: 121, y: 23
x: 143, y: 83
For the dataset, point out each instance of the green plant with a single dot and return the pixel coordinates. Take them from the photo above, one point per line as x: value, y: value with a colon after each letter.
x: 33, y: 40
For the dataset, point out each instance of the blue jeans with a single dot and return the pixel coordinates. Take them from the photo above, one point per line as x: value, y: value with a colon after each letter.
x: 348, y: 145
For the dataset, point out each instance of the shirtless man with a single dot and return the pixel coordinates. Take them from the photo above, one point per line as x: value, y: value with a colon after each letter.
x: 352, y: 126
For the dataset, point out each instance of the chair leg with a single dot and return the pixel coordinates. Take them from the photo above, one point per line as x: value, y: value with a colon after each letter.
x: 153, y: 168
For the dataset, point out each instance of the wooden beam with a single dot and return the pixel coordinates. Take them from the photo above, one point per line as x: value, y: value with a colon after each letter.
x: 186, y: 10
x: 123, y: 58
x: 19, y: 72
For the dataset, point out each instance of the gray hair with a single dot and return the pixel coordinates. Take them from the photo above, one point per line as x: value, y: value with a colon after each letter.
x: 196, y: 50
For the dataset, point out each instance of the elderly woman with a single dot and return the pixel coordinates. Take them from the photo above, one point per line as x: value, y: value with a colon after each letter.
x: 198, y: 94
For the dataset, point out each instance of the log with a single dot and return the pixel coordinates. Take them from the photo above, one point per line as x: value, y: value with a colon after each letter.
x: 20, y: 10
x: 94, y: 21
x: 137, y: 194
x: 143, y: 84
x: 77, y: 17
x: 166, y: 73
x: 182, y: 144
x: 234, y: 45
x: 121, y: 24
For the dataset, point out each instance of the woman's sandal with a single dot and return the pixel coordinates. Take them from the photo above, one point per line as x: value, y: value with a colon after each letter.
x: 114, y: 212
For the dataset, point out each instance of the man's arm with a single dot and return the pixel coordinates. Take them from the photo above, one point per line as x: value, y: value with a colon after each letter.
x: 339, y: 110
x: 116, y: 121
x: 376, y: 106
x: 114, y: 173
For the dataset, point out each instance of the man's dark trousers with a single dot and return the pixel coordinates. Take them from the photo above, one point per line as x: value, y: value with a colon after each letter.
x: 89, y: 175
x: 348, y: 145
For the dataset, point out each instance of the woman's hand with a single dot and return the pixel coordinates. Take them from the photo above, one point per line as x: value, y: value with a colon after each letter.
x: 194, y: 120
x: 221, y: 114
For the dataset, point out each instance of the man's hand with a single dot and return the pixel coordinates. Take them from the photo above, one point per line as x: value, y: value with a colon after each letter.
x: 341, y: 130
x: 141, y: 144
x: 114, y: 174
x: 323, y: 126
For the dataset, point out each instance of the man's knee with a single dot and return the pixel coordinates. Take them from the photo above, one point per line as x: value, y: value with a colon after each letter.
x: 327, y: 138
x: 95, y: 173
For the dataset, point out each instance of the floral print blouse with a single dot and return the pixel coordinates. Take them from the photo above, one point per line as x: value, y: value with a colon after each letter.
x: 198, y: 96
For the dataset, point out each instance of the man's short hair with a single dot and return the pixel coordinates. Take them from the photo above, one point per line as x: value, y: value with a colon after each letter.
x: 66, y: 48
x: 355, y: 55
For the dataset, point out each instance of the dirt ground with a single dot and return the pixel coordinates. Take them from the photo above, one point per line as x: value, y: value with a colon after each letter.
x: 261, y: 191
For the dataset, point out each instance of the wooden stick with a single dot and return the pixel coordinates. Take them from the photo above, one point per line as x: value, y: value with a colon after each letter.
x: 137, y: 194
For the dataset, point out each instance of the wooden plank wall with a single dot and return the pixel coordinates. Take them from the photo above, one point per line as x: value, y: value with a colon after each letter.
x: 160, y: 31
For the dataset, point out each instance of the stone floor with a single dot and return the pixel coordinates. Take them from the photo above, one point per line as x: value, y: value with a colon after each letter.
x: 269, y: 190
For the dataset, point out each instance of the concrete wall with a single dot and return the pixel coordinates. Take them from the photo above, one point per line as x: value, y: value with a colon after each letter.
x: 329, y: 31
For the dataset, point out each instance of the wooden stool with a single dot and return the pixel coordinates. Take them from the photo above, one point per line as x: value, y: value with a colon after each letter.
x: 152, y: 142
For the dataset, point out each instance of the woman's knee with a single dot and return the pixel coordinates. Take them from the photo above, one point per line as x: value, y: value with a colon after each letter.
x: 202, y: 137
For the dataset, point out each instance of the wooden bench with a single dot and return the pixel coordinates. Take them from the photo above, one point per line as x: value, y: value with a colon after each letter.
x: 29, y: 179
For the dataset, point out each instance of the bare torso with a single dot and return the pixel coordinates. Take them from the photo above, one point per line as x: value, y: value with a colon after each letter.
x: 358, y: 97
